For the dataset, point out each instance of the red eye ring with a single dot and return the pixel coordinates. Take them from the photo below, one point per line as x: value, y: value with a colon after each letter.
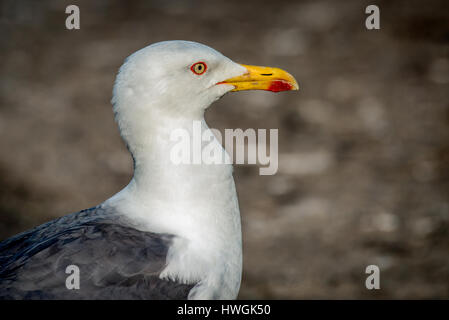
x: 199, y: 68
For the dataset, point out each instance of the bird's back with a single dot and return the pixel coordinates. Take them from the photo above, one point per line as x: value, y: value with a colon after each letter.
x: 115, y: 260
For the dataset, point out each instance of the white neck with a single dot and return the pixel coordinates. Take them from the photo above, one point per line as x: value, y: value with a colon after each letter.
x: 196, y: 202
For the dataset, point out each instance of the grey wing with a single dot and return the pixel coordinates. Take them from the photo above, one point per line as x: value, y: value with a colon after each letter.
x: 113, y: 261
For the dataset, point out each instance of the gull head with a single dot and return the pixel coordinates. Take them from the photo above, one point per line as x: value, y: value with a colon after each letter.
x: 178, y: 80
x: 183, y: 78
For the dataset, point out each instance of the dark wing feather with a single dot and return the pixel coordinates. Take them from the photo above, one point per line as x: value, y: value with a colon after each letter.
x: 116, y: 261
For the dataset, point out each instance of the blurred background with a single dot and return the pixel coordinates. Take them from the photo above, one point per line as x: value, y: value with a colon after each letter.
x: 363, y: 146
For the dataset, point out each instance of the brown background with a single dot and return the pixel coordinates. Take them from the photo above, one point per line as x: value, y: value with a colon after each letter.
x: 363, y: 147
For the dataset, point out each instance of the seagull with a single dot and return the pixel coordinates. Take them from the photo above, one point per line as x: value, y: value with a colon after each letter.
x: 174, y: 231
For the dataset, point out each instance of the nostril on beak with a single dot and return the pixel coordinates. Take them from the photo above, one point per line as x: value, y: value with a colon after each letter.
x: 266, y: 74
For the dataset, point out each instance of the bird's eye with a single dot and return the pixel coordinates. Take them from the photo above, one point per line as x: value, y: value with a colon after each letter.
x: 198, y: 68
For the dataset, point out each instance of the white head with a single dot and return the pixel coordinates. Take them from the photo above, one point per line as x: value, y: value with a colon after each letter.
x: 178, y: 80
x: 160, y: 76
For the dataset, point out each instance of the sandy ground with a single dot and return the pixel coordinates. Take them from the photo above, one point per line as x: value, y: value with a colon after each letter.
x: 363, y: 146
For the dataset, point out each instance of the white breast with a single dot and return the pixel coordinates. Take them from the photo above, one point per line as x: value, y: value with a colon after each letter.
x: 198, y: 204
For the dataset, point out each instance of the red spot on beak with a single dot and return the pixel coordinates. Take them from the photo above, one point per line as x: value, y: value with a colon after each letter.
x: 279, y: 85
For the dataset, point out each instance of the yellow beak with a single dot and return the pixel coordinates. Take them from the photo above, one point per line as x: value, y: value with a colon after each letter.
x: 263, y: 78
